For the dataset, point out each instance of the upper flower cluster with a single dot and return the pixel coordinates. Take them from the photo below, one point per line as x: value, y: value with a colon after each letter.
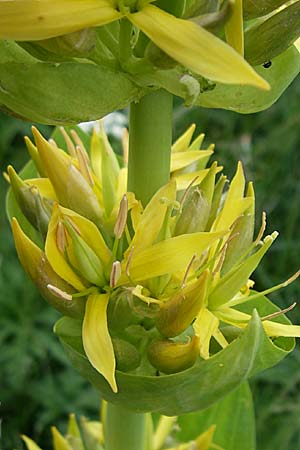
x: 156, y: 286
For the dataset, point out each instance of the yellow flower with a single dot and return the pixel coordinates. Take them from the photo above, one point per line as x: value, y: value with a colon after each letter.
x: 189, y: 44
x: 177, y: 269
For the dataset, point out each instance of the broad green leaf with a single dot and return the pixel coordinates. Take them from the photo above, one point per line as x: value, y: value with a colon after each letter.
x: 195, y: 48
x: 257, y: 8
x: 197, y: 7
x: 33, y: 90
x: 233, y: 417
x: 193, y: 389
x: 266, y: 39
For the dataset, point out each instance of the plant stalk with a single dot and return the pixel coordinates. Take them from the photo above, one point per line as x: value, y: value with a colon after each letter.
x: 150, y: 138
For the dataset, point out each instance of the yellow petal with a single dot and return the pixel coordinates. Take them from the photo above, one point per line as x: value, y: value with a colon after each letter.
x: 183, y: 142
x: 234, y: 30
x: 235, y: 203
x: 195, y: 48
x: 204, y: 441
x: 59, y: 442
x: 55, y: 257
x: 30, y: 444
x: 153, y: 217
x: 184, y: 159
x: 273, y: 329
x: 169, y: 256
x: 28, y: 20
x: 44, y: 186
x: 96, y: 339
x: 205, y: 327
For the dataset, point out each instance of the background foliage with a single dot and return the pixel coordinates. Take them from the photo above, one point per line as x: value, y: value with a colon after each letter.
x: 37, y: 385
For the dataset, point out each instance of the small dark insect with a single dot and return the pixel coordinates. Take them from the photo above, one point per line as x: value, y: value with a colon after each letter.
x: 267, y: 64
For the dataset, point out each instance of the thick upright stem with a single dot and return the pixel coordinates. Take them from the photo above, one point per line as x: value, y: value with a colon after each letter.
x: 125, y: 430
x: 150, y: 138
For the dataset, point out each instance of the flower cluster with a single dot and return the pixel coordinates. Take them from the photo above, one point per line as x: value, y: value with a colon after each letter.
x: 156, y: 287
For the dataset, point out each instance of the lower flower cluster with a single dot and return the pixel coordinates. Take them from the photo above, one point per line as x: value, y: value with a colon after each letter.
x: 158, y: 286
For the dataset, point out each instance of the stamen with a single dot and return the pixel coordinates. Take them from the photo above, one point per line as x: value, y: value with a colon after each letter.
x: 52, y: 142
x: 187, y: 192
x: 262, y: 228
x: 122, y: 218
x: 129, y: 262
x: 61, y: 239
x: 59, y: 293
x: 69, y: 143
x: 84, y: 165
x: 188, y: 269
x: 69, y: 221
x: 279, y: 313
x: 80, y: 144
x: 242, y: 299
x: 115, y: 273
x: 221, y: 260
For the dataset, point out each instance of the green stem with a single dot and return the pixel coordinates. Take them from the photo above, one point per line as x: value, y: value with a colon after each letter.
x: 150, y: 138
x: 125, y: 430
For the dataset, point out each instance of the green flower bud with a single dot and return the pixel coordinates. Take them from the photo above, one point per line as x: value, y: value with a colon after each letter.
x: 127, y: 356
x: 35, y: 208
x: 158, y: 57
x: 70, y: 186
x: 85, y: 259
x: 194, y: 215
x: 178, y: 313
x: 170, y: 357
x: 78, y: 44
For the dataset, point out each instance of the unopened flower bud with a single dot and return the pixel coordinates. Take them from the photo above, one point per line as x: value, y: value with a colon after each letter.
x: 71, y: 188
x: 194, y: 215
x: 178, y: 313
x: 37, y: 267
x: 35, y: 208
x: 77, y: 44
x: 127, y: 356
x: 170, y: 357
x: 85, y: 259
x: 158, y: 57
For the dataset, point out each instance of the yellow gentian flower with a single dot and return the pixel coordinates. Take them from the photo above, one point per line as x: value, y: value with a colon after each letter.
x: 189, y: 44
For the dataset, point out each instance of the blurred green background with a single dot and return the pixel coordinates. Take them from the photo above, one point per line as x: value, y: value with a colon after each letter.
x: 38, y: 388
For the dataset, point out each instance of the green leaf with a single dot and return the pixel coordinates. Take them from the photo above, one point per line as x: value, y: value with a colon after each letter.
x: 267, y: 38
x: 257, y: 8
x: 233, y: 417
x: 33, y: 89
x: 194, y: 389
